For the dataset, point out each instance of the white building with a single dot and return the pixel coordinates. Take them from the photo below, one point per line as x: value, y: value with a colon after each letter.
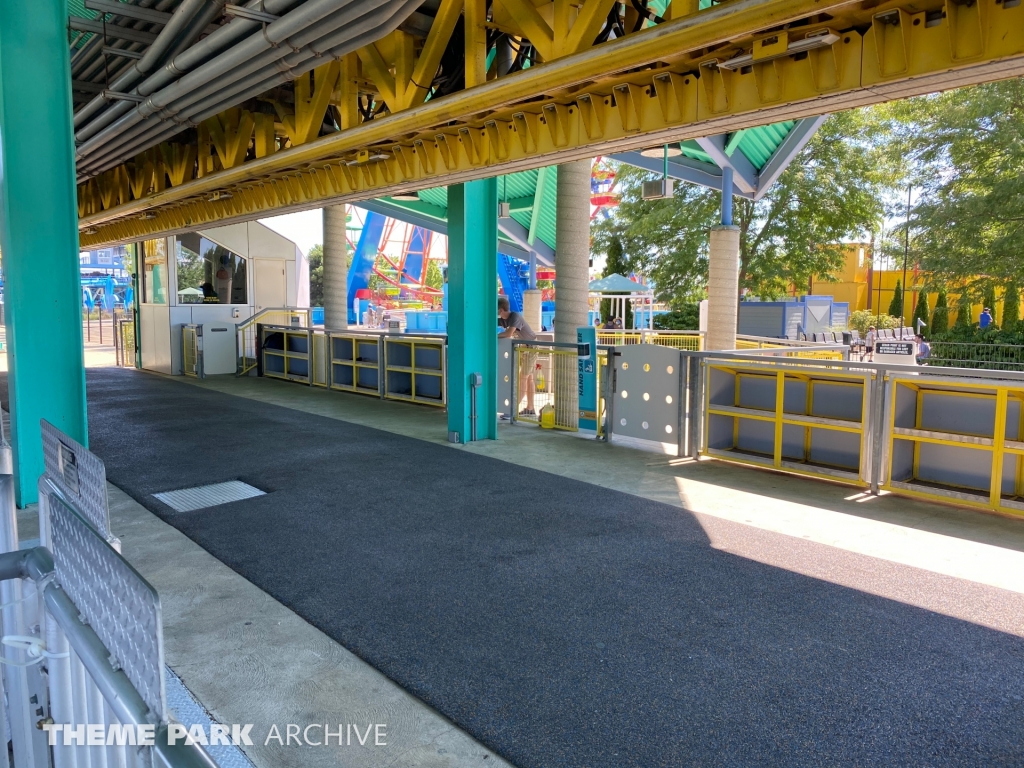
x: 215, y: 277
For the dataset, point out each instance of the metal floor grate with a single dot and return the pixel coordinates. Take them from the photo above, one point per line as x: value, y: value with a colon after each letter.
x: 190, y: 499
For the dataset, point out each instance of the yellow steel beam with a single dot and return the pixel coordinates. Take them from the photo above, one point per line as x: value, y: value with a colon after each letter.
x: 664, y: 83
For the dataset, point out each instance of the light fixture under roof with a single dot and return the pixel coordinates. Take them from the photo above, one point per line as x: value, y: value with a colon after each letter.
x: 219, y: 196
x: 407, y: 197
x: 771, y: 50
x: 670, y: 150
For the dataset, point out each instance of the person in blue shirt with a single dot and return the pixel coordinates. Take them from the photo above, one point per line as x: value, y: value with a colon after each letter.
x: 985, y: 319
x: 924, y: 349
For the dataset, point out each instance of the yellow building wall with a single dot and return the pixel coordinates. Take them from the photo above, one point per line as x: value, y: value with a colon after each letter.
x: 863, y: 289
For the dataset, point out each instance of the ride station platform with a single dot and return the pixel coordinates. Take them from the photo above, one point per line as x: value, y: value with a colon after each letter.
x: 546, y: 598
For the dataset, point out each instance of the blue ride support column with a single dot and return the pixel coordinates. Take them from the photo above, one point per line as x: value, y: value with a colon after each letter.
x: 39, y: 234
x: 472, y: 308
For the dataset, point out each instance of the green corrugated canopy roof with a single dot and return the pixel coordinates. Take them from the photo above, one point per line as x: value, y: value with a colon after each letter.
x: 536, y: 213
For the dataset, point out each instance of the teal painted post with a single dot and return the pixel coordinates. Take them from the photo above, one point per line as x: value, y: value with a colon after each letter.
x: 39, y: 233
x: 473, y: 307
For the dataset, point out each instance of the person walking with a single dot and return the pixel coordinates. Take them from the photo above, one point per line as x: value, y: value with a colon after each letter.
x: 516, y: 327
x: 869, y: 343
x: 985, y: 318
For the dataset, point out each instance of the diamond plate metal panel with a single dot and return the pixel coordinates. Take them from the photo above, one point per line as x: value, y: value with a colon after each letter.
x: 79, y: 474
x: 120, y: 605
x: 203, y: 496
x: 647, y: 402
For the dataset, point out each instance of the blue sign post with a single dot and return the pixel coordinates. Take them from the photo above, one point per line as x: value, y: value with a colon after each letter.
x: 586, y: 362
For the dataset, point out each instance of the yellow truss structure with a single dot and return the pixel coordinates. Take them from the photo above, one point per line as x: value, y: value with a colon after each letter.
x: 672, y: 81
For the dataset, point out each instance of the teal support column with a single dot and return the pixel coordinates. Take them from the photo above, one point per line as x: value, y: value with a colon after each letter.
x: 39, y: 233
x: 473, y: 308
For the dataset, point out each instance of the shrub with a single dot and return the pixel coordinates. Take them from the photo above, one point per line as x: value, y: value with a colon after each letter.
x: 921, y: 312
x: 686, y: 318
x: 1011, y: 307
x: 963, y: 312
x: 940, y: 317
x: 896, y: 305
x: 862, y: 319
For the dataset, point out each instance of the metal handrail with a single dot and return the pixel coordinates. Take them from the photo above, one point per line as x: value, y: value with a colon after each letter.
x: 245, y: 332
x: 117, y: 690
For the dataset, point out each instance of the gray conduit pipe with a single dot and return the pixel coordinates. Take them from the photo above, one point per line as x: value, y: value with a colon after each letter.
x: 152, y: 58
x: 295, y: 64
x: 273, y: 34
x: 160, y: 132
x: 254, y: 86
x: 212, y: 45
x: 89, y: 59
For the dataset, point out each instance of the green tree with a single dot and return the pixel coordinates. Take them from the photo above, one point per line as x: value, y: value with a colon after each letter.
x: 921, y: 312
x: 963, y: 312
x: 316, y: 275
x: 616, y: 262
x: 896, y: 305
x: 940, y: 317
x: 832, y: 192
x: 989, y: 300
x: 1011, y: 306
x: 969, y: 144
x: 434, y: 278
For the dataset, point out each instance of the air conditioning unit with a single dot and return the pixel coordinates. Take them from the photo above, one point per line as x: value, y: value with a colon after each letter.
x: 657, y: 189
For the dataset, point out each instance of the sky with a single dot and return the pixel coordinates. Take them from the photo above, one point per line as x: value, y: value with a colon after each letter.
x: 305, y: 228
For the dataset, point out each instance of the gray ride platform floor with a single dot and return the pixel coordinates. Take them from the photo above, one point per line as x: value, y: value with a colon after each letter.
x: 563, y: 623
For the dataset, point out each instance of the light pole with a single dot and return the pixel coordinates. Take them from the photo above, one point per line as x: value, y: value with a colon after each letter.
x: 906, y: 254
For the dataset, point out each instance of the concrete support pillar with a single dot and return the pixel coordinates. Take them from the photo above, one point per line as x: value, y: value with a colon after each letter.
x: 572, y: 255
x: 572, y: 266
x: 336, y: 267
x: 39, y: 234
x: 723, y: 287
x: 531, y: 308
x: 472, y: 308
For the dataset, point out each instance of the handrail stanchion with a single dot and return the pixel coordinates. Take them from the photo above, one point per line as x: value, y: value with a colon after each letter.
x: 876, y: 417
x: 59, y: 670
x: 514, y: 400
x: 683, y: 400
x: 697, y: 405
x: 29, y: 742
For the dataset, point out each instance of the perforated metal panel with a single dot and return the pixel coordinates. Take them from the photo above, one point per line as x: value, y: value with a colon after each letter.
x: 505, y: 373
x: 78, y: 474
x: 647, y: 401
x: 203, y: 496
x: 120, y: 605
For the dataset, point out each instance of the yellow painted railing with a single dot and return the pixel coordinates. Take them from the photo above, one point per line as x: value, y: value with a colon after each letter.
x: 958, y: 440
x: 811, y: 422
x: 245, y: 332
x: 552, y: 372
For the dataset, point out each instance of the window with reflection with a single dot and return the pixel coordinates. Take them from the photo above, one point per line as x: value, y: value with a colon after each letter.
x: 154, y: 271
x: 209, y: 273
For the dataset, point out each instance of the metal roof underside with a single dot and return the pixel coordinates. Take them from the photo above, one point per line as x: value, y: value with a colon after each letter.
x: 757, y: 155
